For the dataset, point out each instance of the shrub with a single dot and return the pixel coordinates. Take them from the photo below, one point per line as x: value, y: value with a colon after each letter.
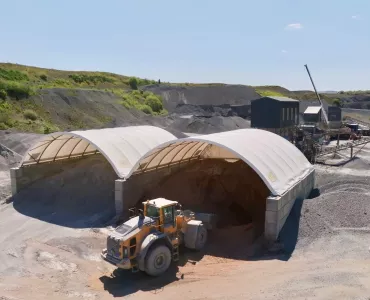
x: 126, y: 104
x: 5, y: 121
x: 146, y: 109
x: 95, y: 79
x: 154, y: 102
x: 163, y: 112
x: 5, y: 106
x: 13, y: 75
x: 47, y: 129
x: 15, y: 89
x: 30, y: 114
x: 136, y: 94
x: 146, y: 81
x: 133, y: 82
x: 146, y: 94
x: 44, y: 77
x: 3, y: 94
x: 130, y: 101
x: 60, y: 82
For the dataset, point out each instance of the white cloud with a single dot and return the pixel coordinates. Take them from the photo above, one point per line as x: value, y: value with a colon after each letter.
x: 356, y: 17
x: 294, y: 26
x: 284, y: 51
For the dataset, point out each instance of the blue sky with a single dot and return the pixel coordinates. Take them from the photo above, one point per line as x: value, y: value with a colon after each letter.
x: 264, y: 42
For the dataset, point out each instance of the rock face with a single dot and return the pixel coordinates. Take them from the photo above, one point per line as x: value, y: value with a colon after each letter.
x: 357, y: 101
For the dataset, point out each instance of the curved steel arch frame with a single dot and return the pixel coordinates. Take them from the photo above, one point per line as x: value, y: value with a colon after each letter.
x: 141, y: 140
x: 255, y: 164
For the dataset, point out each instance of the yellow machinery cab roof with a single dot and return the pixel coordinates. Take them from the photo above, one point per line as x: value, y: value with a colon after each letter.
x: 160, y: 202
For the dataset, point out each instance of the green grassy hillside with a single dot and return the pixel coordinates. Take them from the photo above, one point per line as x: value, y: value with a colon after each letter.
x: 299, y: 95
x: 19, y: 85
x: 46, y: 100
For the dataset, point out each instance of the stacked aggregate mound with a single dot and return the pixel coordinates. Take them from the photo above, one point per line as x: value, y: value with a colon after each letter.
x: 233, y: 191
x: 341, y: 202
x: 224, y: 110
x: 209, y: 125
x: 80, y: 195
x: 203, y: 95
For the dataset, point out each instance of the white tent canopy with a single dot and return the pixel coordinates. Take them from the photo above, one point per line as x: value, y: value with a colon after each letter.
x: 279, y: 163
x: 122, y: 146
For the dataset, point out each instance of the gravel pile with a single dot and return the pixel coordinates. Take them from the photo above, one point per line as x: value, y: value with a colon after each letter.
x: 80, y: 195
x: 341, y: 202
x: 173, y: 95
x: 202, y: 125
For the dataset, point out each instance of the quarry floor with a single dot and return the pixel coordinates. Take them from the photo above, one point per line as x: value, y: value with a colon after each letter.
x: 326, y: 254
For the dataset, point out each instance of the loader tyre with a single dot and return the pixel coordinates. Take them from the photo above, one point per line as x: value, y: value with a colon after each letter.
x: 158, y: 260
x: 201, y: 238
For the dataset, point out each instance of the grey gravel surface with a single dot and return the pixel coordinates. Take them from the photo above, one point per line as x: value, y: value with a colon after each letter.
x: 340, y: 203
x: 213, y: 124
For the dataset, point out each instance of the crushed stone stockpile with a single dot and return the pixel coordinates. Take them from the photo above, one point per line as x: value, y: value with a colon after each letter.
x: 173, y: 95
x: 80, y: 195
x: 232, y: 191
x: 207, y: 125
x: 341, y: 202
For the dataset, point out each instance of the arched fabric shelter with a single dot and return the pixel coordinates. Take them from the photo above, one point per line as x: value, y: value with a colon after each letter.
x: 279, y: 163
x: 122, y: 146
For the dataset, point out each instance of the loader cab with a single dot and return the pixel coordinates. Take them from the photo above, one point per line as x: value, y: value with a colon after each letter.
x: 164, y: 211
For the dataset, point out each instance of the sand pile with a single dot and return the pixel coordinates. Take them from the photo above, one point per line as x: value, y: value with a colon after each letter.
x: 81, y: 195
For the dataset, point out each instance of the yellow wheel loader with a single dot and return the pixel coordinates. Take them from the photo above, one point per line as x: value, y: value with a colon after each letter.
x: 150, y: 240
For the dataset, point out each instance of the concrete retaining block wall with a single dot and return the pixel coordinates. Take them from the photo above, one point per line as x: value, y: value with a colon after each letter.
x: 279, y: 207
x: 119, y: 188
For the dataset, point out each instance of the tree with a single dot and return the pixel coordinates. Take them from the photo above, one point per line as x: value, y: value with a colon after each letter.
x: 154, y: 103
x: 337, y: 102
x: 133, y: 83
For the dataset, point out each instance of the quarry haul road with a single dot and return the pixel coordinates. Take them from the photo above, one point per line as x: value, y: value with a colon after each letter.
x: 40, y: 260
